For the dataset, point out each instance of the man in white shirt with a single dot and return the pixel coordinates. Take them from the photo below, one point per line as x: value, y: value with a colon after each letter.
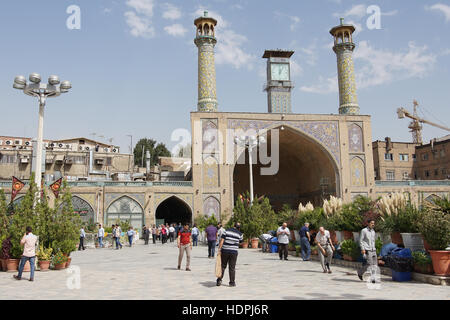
x: 283, y: 234
x: 100, y: 235
x: 29, y: 253
x: 326, y: 248
x: 172, y: 233
x: 195, y: 232
x: 82, y: 236
x: 368, y: 250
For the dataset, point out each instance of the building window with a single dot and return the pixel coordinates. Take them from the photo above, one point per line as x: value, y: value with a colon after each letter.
x: 405, y: 175
x: 427, y: 173
x: 424, y: 156
x: 109, y: 161
x: 436, y: 172
x: 414, y: 157
x: 6, y: 158
x: 390, y: 175
x: 444, y: 172
x: 442, y: 153
x: 415, y: 175
x: 388, y: 156
x: 404, y: 157
x: 435, y: 155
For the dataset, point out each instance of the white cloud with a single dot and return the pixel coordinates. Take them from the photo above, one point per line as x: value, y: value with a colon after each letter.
x: 230, y: 44
x: 176, y: 30
x: 144, y: 7
x: 325, y: 86
x: 139, y: 26
x: 171, y: 12
x: 383, y: 66
x: 296, y: 69
x: 139, y: 20
x: 357, y: 11
x: 445, y: 9
x: 294, y: 19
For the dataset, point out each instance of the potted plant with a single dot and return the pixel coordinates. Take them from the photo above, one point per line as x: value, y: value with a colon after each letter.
x: 9, y: 264
x: 350, y: 250
x: 406, y: 223
x: 422, y: 262
x: 435, y: 228
x: 44, y: 256
x: 59, y: 261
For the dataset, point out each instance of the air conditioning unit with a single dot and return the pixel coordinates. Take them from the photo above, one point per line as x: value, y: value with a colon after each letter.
x: 8, y: 142
x: 106, y: 149
x: 17, y: 142
x: 114, y: 150
x: 24, y: 159
x: 52, y: 145
x: 80, y: 148
x: 99, y: 161
x: 46, y: 144
x: 68, y: 146
x: 28, y: 143
x: 60, y: 145
x: 87, y: 148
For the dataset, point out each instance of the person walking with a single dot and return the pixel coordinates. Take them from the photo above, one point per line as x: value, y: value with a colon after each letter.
x: 211, y: 236
x: 368, y: 250
x: 184, y: 243
x: 220, y: 231
x: 130, y: 234
x: 29, y: 253
x: 305, y: 239
x: 195, y: 232
x: 82, y: 236
x: 283, y: 234
x: 228, y: 251
x: 100, y: 235
x: 154, y: 233
x: 326, y: 248
x: 159, y: 233
x: 118, y: 233
x: 113, y: 232
x: 163, y: 234
x: 145, y: 234
x: 172, y: 233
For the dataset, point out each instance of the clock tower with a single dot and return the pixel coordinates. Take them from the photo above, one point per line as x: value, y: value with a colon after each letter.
x: 279, y: 84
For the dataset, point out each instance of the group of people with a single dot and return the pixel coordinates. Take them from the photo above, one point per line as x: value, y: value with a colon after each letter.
x: 326, y: 247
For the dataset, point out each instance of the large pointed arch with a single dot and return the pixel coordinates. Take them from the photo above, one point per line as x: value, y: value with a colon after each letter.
x: 125, y: 208
x: 173, y: 210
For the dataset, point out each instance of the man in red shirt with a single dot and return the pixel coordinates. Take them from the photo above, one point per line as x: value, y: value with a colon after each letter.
x: 184, y: 241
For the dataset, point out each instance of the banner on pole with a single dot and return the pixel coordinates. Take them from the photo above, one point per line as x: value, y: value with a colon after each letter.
x: 17, y: 185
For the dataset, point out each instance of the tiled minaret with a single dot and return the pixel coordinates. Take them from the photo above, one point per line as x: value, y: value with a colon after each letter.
x: 205, y: 41
x: 343, y: 47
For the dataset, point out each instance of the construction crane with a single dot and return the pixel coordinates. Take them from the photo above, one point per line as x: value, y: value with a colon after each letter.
x: 416, y: 124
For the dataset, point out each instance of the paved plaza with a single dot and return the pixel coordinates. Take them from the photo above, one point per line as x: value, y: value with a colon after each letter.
x: 149, y: 272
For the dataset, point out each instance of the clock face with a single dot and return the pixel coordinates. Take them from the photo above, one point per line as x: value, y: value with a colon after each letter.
x: 279, y: 71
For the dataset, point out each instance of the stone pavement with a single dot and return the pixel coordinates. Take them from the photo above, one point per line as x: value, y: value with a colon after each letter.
x: 149, y: 272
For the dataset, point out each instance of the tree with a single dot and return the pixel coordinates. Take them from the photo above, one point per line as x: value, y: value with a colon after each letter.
x: 4, y: 217
x: 156, y: 150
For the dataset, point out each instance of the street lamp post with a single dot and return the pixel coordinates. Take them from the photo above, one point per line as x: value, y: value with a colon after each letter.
x: 249, y: 142
x: 42, y: 91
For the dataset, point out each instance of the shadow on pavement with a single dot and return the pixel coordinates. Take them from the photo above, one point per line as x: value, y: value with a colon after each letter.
x: 208, y: 284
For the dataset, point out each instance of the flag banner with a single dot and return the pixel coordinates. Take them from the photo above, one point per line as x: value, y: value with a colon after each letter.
x: 56, y: 186
x: 17, y: 185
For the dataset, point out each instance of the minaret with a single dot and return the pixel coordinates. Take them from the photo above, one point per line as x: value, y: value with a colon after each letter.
x: 343, y: 47
x: 205, y: 41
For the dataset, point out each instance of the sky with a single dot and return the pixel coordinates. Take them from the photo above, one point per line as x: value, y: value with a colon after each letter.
x: 133, y: 63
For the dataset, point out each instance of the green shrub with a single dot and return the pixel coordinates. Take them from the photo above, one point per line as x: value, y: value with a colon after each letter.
x: 204, y: 221
x: 434, y: 224
x: 350, y: 248
x: 421, y: 258
x: 378, y: 246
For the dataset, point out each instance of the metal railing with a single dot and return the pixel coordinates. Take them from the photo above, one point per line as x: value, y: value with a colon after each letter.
x: 406, y: 183
x: 8, y: 184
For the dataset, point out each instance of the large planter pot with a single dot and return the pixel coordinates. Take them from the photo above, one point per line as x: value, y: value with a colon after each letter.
x: 296, y: 236
x: 347, y: 235
x: 441, y: 262
x: 397, y: 238
x: 348, y: 258
x: 244, y: 245
x: 69, y: 260
x: 44, y: 265
x: 12, y: 265
x: 59, y: 266
x: 385, y: 238
x: 339, y: 236
x: 427, y: 269
x: 255, y: 242
x: 333, y: 237
x: 356, y: 236
x: 413, y: 241
x: 2, y: 265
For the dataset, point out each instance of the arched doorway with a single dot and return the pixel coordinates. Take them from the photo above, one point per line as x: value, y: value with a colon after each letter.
x: 173, y: 210
x: 306, y: 172
x: 125, y: 208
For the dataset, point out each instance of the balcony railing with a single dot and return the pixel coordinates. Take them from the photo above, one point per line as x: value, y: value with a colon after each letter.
x: 408, y: 183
